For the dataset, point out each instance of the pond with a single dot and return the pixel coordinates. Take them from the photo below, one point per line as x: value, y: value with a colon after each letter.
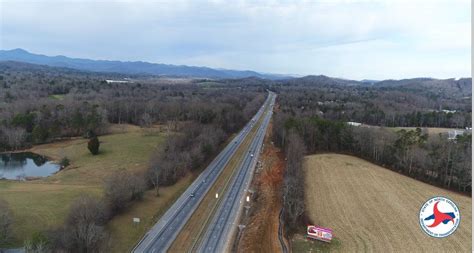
x: 20, y: 166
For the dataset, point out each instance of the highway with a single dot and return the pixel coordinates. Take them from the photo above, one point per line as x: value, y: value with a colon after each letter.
x: 219, y: 234
x: 163, y: 233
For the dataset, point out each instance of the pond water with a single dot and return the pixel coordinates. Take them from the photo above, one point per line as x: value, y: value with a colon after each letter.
x: 20, y: 166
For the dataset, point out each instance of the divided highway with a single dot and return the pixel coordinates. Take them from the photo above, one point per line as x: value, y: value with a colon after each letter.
x: 220, y: 232
x: 164, y: 232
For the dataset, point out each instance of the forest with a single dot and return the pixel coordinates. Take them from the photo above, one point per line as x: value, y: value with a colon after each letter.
x: 42, y: 104
x: 418, y: 102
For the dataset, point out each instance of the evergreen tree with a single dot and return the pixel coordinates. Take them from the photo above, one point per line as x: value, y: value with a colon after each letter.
x: 93, y: 145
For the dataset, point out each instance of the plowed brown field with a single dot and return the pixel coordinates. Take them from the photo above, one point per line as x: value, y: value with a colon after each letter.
x: 373, y: 209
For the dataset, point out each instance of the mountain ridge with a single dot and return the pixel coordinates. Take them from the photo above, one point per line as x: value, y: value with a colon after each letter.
x: 130, y: 67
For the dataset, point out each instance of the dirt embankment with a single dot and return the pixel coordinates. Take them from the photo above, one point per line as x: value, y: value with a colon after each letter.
x: 261, y: 232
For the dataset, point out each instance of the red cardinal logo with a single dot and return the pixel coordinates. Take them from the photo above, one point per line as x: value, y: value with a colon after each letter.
x: 440, y: 217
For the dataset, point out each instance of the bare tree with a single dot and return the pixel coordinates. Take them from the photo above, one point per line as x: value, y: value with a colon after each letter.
x: 154, y: 178
x: 15, y: 137
x: 146, y: 120
x: 121, y: 188
x: 84, y: 230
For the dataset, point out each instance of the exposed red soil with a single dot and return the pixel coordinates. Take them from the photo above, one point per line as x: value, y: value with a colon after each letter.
x: 261, y: 232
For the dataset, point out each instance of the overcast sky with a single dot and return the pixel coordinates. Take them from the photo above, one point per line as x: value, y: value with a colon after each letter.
x: 348, y: 39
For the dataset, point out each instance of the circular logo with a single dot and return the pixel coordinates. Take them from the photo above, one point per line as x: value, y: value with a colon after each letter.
x: 439, y: 217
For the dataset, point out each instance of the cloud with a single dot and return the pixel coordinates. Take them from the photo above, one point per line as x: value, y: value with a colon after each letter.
x: 351, y: 39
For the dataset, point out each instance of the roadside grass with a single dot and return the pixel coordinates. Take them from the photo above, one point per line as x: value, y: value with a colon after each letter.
x: 43, y: 204
x: 125, y: 234
x: 300, y: 243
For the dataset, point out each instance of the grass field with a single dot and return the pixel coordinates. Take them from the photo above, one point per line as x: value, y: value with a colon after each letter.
x: 373, y: 209
x: 36, y: 207
x: 42, y: 204
x: 430, y: 130
x: 130, y: 150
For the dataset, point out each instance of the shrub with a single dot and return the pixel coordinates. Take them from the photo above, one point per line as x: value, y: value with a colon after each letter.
x: 93, y: 145
x: 64, y: 162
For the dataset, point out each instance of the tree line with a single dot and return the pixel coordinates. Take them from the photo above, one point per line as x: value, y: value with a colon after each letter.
x: 377, y: 106
x: 432, y: 158
x: 294, y: 183
x: 197, y: 143
x: 417, y: 102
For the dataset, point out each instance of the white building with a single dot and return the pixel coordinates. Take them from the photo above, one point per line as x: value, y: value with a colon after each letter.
x: 453, y: 134
x: 449, y: 111
x: 351, y: 123
x: 117, y: 81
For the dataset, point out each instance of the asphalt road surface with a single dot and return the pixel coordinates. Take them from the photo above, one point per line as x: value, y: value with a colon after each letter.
x: 162, y: 234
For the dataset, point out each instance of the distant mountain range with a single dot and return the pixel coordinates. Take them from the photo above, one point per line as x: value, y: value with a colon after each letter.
x: 446, y: 87
x: 127, y: 67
